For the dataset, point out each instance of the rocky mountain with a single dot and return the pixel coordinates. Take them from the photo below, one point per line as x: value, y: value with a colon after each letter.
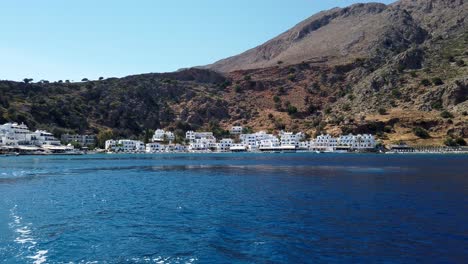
x: 398, y: 71
x: 341, y: 35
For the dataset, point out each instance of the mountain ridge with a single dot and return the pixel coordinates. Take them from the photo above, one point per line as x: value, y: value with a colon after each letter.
x: 337, y: 35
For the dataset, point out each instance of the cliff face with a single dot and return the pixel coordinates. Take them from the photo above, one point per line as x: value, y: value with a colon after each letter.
x: 368, y: 68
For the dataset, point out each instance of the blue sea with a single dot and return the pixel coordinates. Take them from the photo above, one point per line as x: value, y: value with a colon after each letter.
x: 234, y: 208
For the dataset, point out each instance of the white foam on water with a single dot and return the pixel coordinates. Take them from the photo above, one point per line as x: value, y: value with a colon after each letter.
x: 26, y: 239
x: 40, y: 257
x: 164, y: 260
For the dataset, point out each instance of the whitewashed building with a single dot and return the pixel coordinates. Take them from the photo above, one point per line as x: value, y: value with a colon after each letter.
x: 130, y: 146
x: 224, y: 145
x: 357, y: 142
x: 305, y: 145
x: 83, y: 140
x: 46, y: 138
x: 160, y: 136
x: 111, y: 145
x: 203, y: 144
x: 125, y: 145
x: 238, y: 148
x: 14, y: 134
x: 200, y: 141
x: 154, y: 147
x: 253, y: 141
x: 324, y: 143
x: 174, y: 148
x: 291, y: 139
x: 191, y: 136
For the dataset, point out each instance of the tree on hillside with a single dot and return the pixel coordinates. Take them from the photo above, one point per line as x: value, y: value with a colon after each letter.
x: 103, y: 136
x: 27, y: 80
x: 421, y: 132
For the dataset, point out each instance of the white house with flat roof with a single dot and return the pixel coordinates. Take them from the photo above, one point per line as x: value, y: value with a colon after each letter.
x: 160, y: 135
x: 224, y: 145
x: 253, y: 141
x: 125, y: 145
x: 14, y: 134
x: 83, y: 140
x: 130, y: 146
x: 324, y: 143
x: 291, y: 139
x: 154, y: 147
x: 46, y: 138
x: 357, y: 142
x: 238, y: 148
x: 191, y: 136
x: 200, y: 141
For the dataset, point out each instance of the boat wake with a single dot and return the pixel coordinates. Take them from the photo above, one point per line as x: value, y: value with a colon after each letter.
x: 26, y: 240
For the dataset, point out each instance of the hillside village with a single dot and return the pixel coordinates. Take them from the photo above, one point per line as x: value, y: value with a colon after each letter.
x: 261, y: 141
x: 17, y: 138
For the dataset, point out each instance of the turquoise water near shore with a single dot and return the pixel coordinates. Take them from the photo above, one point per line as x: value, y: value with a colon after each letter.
x: 234, y: 208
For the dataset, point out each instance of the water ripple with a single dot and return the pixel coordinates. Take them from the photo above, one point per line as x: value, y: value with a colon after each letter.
x: 26, y: 239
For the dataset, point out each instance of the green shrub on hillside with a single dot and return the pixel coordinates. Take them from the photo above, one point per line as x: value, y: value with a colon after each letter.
x: 421, y: 132
x: 292, y: 110
x: 436, y: 105
x: 460, y: 141
x: 276, y: 99
x: 450, y: 142
x: 437, y: 81
x: 425, y: 82
x: 446, y: 114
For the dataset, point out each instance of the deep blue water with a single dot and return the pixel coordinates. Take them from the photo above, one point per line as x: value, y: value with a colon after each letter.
x: 234, y: 208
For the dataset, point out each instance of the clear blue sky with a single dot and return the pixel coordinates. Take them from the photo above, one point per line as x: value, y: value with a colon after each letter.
x: 59, y: 39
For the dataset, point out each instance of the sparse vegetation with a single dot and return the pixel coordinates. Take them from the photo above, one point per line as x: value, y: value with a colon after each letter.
x: 396, y: 93
x: 382, y: 111
x: 421, y: 132
x: 450, y: 142
x: 437, y: 81
x: 460, y: 141
x: 425, y: 82
x: 461, y: 63
x: 292, y: 110
x: 436, y: 105
x: 446, y: 114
